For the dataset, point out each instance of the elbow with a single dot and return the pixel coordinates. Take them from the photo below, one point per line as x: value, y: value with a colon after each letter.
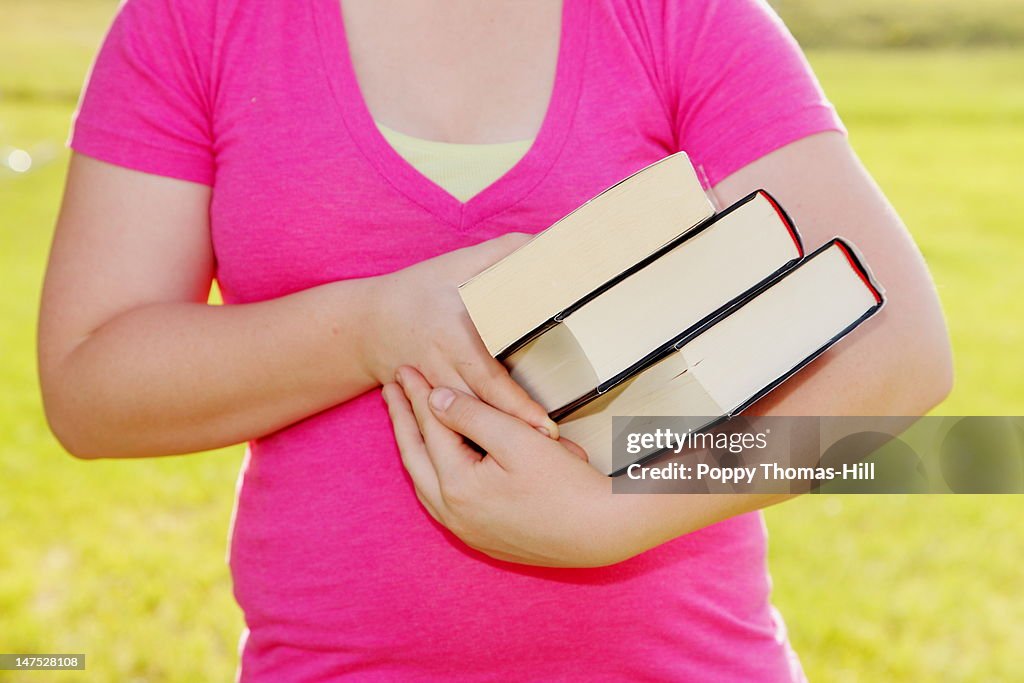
x: 943, y: 375
x: 66, y: 428
x: 938, y: 384
x: 72, y: 411
x: 92, y: 429
x: 70, y: 423
x: 947, y: 375
x: 928, y: 371
x: 63, y: 414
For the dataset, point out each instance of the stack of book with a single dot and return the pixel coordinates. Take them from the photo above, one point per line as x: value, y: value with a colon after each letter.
x: 645, y: 302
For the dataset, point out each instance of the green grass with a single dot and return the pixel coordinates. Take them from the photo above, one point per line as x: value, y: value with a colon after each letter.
x: 904, y: 23
x: 920, y: 588
x: 124, y: 561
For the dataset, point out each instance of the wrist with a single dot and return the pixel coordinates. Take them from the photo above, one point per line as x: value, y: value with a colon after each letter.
x: 635, y: 523
x: 376, y: 301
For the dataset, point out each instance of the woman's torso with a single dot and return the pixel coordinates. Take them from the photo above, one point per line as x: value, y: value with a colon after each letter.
x: 337, y: 567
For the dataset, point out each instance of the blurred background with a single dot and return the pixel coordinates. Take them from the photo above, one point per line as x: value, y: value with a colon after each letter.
x: 125, y: 561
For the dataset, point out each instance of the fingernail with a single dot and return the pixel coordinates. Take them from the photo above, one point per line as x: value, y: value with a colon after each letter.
x: 398, y: 378
x: 544, y: 431
x: 441, y: 398
x: 551, y: 430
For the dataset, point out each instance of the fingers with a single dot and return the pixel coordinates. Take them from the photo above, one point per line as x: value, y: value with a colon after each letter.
x: 413, y: 451
x: 447, y: 452
x: 505, y: 438
x: 500, y: 247
x: 472, y: 260
x: 575, y: 449
x: 491, y: 382
x: 446, y: 377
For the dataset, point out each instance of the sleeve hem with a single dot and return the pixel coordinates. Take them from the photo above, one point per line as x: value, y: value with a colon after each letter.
x: 773, y: 135
x: 139, y: 155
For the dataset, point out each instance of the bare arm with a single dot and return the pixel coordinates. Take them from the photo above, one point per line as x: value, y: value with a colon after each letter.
x: 132, y: 359
x: 535, y: 502
x: 133, y: 362
x: 898, y: 364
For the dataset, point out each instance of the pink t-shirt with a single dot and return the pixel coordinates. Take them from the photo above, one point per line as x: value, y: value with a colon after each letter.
x: 337, y: 567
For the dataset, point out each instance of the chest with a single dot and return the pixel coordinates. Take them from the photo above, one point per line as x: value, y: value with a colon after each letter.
x: 307, y: 191
x: 456, y: 70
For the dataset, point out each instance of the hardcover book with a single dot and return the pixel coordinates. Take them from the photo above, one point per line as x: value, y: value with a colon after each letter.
x: 604, y: 237
x: 594, y: 344
x: 677, y: 312
x: 724, y: 366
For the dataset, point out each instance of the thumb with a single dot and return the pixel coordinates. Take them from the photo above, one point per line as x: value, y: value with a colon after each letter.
x: 504, y: 437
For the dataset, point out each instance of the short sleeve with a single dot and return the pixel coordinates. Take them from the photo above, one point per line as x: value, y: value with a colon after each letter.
x: 145, y: 105
x: 742, y: 87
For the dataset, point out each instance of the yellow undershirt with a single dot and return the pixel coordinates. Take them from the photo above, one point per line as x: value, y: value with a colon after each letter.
x: 462, y: 170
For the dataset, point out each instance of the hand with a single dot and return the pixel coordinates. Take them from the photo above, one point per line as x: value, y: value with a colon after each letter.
x: 422, y: 322
x: 532, y: 500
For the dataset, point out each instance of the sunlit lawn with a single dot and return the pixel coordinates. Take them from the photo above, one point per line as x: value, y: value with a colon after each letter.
x: 125, y: 561
x: 927, y: 588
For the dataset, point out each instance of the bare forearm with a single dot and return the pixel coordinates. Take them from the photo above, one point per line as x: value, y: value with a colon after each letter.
x: 898, y: 364
x: 517, y: 504
x: 172, y: 378
x: 134, y: 363
x: 872, y: 380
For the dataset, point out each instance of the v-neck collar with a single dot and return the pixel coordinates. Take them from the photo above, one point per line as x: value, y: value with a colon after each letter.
x: 507, y: 190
